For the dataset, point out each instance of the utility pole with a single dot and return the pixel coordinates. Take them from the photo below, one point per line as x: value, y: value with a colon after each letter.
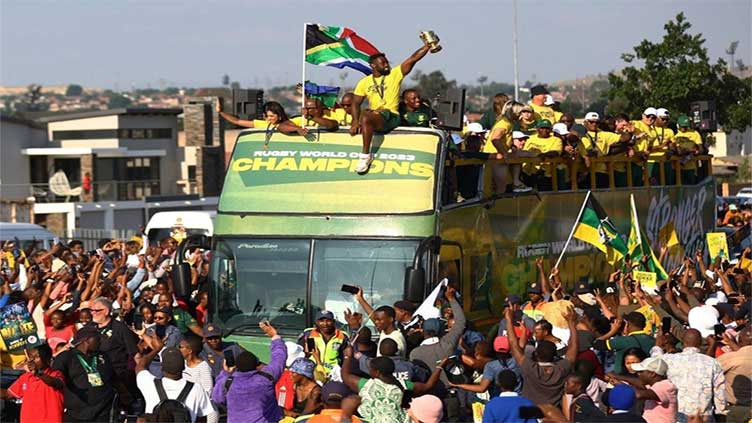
x: 516, y: 67
x: 731, y: 51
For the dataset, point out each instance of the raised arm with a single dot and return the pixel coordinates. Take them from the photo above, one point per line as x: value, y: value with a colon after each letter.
x: 409, y: 63
x: 514, y: 347
x: 348, y: 378
x: 423, y: 388
x: 233, y: 119
x: 542, y: 276
x: 572, y: 348
x: 367, y: 309
x: 278, y: 351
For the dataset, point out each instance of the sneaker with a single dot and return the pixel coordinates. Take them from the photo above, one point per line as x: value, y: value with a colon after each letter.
x: 364, y: 163
x: 522, y: 188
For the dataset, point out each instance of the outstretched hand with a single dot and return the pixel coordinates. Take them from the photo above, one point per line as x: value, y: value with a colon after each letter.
x: 268, y: 329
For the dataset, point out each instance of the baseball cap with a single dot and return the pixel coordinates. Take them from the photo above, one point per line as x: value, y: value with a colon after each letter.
x: 549, y: 100
x: 501, y: 344
x: 543, y: 123
x: 211, y: 330
x: 475, y: 127
x: 716, y: 298
x: 703, y: 318
x: 732, y: 207
x: 534, y: 288
x: 172, y: 361
x: 592, y: 116
x: 650, y: 111
x: 683, y: 121
x: 621, y: 397
x: 579, y: 129
x: 519, y: 135
x: 86, y: 332
x: 294, y: 351
x: 527, y: 108
x: 662, y: 112
x: 653, y: 364
x: 334, y: 391
x: 427, y: 409
x: 514, y: 299
x: 560, y: 129
x: 538, y: 90
x: 324, y: 314
x: 582, y: 286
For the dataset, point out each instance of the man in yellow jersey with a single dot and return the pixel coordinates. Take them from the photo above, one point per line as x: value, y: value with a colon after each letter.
x: 342, y: 112
x: 539, y: 94
x: 316, y: 114
x: 598, y: 144
x: 644, y: 136
x: 663, y: 144
x: 382, y: 88
x: 544, y: 145
x: 688, y: 144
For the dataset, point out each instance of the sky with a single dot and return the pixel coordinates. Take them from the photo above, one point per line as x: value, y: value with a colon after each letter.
x: 157, y: 43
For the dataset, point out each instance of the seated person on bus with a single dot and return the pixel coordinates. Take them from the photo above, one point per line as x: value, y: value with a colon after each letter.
x: 316, y: 114
x: 412, y: 110
x: 625, y: 149
x: 467, y: 176
x: 275, y: 118
x: 688, y: 143
x: 526, y: 121
x: 544, y: 145
x: 342, y: 111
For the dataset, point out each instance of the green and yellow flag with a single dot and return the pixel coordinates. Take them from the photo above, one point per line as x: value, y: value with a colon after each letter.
x: 594, y: 227
x: 639, y: 247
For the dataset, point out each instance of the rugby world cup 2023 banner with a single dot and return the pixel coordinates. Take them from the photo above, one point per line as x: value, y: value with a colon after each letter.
x: 315, y: 174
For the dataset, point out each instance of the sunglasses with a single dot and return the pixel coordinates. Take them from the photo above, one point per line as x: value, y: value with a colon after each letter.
x: 651, y: 116
x: 97, y: 310
x: 160, y: 318
x: 663, y: 118
x: 346, y: 105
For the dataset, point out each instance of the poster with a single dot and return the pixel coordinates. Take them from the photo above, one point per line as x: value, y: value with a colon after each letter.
x: 647, y: 280
x: 18, y: 329
x: 717, y: 245
x: 667, y: 235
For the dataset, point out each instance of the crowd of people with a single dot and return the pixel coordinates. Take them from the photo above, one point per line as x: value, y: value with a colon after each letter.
x: 115, y: 341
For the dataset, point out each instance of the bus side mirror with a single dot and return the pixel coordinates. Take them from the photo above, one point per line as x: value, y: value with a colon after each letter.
x: 181, y: 279
x: 415, y: 284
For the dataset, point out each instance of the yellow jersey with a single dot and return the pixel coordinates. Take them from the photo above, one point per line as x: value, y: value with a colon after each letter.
x: 688, y: 140
x: 541, y: 146
x: 502, y: 125
x: 545, y: 112
x: 601, y: 142
x: 335, y: 115
x: 383, y: 93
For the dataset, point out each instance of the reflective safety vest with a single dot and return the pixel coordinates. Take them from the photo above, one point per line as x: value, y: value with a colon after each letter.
x: 535, y: 313
x: 330, y: 352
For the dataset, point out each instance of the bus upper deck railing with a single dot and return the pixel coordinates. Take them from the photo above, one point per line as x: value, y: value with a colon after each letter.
x: 668, y: 169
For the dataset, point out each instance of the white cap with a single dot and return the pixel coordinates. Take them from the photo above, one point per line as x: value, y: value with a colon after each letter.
x: 475, y: 128
x: 662, y: 112
x: 519, y: 135
x: 717, y: 297
x: 653, y: 364
x: 592, y: 116
x: 549, y: 100
x: 703, y: 318
x: 560, y: 128
x: 294, y: 351
x: 650, y: 111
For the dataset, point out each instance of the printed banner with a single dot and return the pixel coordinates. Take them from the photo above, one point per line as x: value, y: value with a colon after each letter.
x: 647, y: 280
x: 18, y: 329
x: 717, y: 245
x: 667, y: 235
x: 316, y: 174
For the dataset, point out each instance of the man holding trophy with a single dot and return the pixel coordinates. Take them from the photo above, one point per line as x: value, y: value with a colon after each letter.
x: 382, y: 88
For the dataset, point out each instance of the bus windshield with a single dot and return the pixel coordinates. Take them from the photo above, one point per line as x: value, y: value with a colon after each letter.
x: 267, y: 279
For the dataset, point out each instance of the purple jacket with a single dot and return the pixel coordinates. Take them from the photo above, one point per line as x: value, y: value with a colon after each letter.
x: 251, y: 396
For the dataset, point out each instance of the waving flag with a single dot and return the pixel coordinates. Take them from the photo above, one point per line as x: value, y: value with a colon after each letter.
x: 338, y: 47
x: 594, y: 227
x: 639, y: 247
x: 327, y: 95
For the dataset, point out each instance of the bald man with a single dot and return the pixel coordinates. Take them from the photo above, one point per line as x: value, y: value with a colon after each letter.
x: 737, y: 366
x: 699, y: 379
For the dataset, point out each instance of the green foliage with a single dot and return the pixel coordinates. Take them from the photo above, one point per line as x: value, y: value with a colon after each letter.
x: 74, y: 90
x: 675, y: 72
x: 745, y: 172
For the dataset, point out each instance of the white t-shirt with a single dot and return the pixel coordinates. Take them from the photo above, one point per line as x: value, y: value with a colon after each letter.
x: 198, y: 401
x: 201, y: 375
x: 397, y: 336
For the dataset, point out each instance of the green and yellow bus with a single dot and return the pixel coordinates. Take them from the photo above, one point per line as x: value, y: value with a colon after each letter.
x: 295, y: 222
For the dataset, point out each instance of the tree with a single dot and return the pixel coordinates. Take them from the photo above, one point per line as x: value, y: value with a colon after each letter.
x: 74, y: 90
x: 118, y: 101
x: 675, y: 72
x: 235, y: 85
x: 432, y: 84
x: 225, y: 80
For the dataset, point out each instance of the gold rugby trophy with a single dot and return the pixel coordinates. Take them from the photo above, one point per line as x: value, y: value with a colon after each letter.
x: 432, y: 40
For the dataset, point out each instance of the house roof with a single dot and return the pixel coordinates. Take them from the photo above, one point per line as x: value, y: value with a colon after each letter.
x: 20, y: 120
x: 110, y: 112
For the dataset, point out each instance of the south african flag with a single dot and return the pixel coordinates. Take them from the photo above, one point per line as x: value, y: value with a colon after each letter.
x: 338, y: 47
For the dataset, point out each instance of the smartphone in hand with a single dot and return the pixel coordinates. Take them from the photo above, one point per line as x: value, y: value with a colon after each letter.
x: 229, y: 358
x: 350, y: 289
x: 666, y: 325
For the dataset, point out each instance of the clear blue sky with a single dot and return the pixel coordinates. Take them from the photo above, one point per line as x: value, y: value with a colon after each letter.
x: 119, y: 44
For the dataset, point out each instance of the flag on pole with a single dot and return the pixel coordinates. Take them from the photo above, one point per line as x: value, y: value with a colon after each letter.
x: 594, y: 227
x: 639, y: 247
x: 327, y: 95
x: 338, y: 47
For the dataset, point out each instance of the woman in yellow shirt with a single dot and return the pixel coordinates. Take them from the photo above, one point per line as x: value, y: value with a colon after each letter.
x: 500, y: 145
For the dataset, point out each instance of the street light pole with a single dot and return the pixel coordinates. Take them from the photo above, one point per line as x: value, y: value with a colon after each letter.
x: 514, y: 54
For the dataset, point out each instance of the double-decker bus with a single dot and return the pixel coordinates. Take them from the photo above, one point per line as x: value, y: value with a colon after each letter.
x: 295, y: 222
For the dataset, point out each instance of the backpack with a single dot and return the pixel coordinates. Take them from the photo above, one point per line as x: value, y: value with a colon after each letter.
x: 172, y: 410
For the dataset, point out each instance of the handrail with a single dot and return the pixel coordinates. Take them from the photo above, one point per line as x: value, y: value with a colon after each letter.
x: 573, y: 166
